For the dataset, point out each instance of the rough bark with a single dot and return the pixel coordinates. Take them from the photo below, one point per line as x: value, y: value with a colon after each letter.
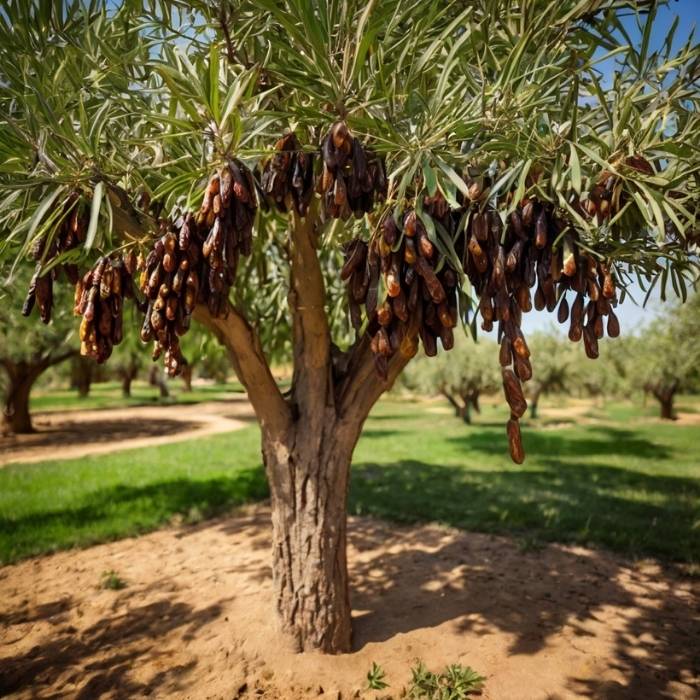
x: 309, y: 484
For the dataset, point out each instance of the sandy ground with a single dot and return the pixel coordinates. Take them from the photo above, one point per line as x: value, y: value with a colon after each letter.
x: 78, y: 433
x: 195, y: 619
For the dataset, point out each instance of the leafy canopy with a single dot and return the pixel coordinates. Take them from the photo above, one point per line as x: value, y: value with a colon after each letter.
x: 152, y: 96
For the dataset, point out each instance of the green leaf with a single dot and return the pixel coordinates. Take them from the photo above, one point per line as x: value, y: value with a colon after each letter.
x: 575, y: 169
x: 94, y: 214
x: 429, y: 178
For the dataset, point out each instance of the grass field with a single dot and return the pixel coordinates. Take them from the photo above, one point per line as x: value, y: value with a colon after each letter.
x: 628, y: 483
x: 109, y: 395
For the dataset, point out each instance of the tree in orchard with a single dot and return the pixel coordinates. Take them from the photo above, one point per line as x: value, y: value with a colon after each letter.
x: 665, y: 359
x: 351, y: 178
x: 553, y: 359
x: 461, y: 375
x: 28, y: 349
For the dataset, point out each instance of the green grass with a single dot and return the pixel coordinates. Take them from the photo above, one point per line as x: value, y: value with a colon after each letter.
x: 109, y: 395
x: 627, y: 484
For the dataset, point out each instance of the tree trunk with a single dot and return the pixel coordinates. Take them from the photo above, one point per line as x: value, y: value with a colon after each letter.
x: 187, y: 378
x: 465, y: 411
x: 126, y: 384
x: 666, y: 400
x: 16, y: 417
x: 534, y: 403
x: 308, y: 476
x: 81, y: 375
x: 156, y: 379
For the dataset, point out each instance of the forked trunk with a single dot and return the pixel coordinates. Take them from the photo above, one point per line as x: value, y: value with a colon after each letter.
x: 308, y: 476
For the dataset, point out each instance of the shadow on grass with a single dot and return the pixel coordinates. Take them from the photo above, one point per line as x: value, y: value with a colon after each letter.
x: 613, y: 441
x: 630, y: 512
x: 123, y: 510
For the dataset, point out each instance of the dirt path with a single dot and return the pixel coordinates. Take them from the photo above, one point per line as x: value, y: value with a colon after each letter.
x: 195, y: 620
x: 73, y: 434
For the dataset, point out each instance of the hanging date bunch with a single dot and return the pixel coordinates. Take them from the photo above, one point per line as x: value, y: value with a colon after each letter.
x: 504, y: 265
x: 195, y: 261
x: 170, y: 281
x: 225, y: 222
x: 99, y: 299
x: 404, y: 296
x: 70, y: 234
x: 288, y: 176
x: 353, y: 177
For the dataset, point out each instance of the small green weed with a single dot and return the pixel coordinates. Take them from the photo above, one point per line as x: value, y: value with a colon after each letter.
x: 112, y: 581
x: 456, y: 682
x: 375, y: 678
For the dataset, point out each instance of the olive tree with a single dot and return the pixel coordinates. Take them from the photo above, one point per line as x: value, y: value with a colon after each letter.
x: 665, y: 358
x: 461, y: 375
x: 353, y: 179
x: 552, y: 364
x: 27, y: 350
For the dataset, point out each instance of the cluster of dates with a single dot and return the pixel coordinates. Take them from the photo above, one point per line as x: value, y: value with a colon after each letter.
x: 99, y: 299
x: 419, y: 301
x: 195, y: 261
x: 70, y: 234
x: 352, y: 179
x: 533, y: 250
x: 288, y: 176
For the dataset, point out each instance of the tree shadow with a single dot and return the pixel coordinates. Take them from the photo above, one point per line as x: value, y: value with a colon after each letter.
x: 613, y: 441
x: 71, y: 432
x: 569, y: 502
x: 483, y: 586
x: 115, y: 644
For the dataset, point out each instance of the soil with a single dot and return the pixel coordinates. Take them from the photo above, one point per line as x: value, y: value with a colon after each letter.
x: 195, y: 619
x: 79, y: 433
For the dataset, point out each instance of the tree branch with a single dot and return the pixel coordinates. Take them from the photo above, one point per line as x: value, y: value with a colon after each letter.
x: 311, y: 382
x: 361, y: 388
x: 251, y: 367
x: 125, y: 217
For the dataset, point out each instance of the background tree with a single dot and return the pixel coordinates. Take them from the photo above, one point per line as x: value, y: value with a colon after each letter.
x: 552, y: 362
x: 128, y: 357
x: 461, y: 375
x: 28, y: 349
x: 476, y: 144
x: 665, y: 358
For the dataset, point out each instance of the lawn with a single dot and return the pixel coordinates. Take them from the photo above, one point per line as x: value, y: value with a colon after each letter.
x: 628, y: 484
x: 109, y: 395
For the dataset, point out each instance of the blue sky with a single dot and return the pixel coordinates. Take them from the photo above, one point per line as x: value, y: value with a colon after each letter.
x: 633, y: 316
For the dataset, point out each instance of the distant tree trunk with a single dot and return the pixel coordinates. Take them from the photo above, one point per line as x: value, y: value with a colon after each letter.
x: 128, y: 373
x: 459, y: 408
x: 665, y: 394
x: 22, y: 375
x: 156, y: 379
x: 16, y: 417
x: 81, y: 376
x: 535, y: 402
x: 187, y: 378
